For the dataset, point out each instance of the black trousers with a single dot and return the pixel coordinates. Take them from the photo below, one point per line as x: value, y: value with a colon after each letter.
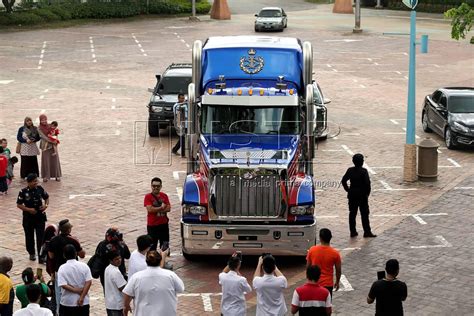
x: 159, y: 233
x: 29, y: 164
x: 74, y: 311
x: 181, y: 143
x: 3, y: 184
x: 361, y: 203
x: 30, y: 227
x: 329, y: 288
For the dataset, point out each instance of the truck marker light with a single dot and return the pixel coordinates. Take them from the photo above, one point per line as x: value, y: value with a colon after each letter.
x: 262, y: 91
x: 209, y: 90
x: 239, y: 92
x: 292, y: 91
x: 250, y: 91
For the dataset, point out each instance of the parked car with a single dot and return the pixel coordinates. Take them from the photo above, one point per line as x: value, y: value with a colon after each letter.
x: 271, y: 19
x: 449, y: 112
x: 175, y: 80
x: 321, y: 120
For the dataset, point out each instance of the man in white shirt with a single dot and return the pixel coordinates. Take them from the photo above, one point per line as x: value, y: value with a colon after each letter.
x: 33, y: 293
x: 269, y: 287
x: 137, y: 260
x: 114, y: 282
x: 154, y: 290
x: 234, y: 288
x: 75, y: 280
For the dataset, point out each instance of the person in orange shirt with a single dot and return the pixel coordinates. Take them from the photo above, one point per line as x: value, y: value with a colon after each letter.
x: 326, y: 258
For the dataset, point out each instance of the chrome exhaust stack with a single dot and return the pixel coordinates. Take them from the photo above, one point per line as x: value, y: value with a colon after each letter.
x: 193, y: 95
x: 309, y: 103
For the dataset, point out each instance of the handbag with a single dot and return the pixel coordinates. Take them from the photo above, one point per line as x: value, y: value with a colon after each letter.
x: 96, y: 265
x: 18, y: 148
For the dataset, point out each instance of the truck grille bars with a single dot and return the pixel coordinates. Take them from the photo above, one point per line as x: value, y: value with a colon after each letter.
x: 256, y: 197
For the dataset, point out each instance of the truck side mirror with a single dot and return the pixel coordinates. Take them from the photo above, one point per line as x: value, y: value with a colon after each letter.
x: 256, y: 15
x: 158, y: 77
x: 327, y: 101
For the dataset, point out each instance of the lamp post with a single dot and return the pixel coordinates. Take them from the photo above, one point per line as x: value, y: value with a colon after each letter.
x: 357, y: 28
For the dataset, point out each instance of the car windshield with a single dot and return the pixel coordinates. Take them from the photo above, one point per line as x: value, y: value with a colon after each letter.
x: 219, y: 119
x: 461, y: 104
x: 174, y: 85
x: 270, y: 14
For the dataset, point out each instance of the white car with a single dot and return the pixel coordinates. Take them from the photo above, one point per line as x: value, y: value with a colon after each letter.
x: 271, y: 19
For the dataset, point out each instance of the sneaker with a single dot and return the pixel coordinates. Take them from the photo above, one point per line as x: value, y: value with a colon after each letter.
x: 168, y: 266
x: 175, y: 152
x: 369, y: 235
x: 32, y: 257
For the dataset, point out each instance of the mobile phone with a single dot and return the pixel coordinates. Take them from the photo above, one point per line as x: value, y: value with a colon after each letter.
x: 380, y: 275
x: 39, y: 273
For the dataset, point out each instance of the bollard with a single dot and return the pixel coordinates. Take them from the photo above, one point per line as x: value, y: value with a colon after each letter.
x: 424, y: 44
x: 427, y: 160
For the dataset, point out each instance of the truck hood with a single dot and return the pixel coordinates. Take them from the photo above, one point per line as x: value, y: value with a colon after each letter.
x: 242, y: 149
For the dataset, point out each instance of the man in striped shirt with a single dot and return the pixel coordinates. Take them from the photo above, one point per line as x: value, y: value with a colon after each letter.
x: 311, y: 298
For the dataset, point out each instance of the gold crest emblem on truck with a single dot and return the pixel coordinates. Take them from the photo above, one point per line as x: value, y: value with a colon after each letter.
x: 251, y: 64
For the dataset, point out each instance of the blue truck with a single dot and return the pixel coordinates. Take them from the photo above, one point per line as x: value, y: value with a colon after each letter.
x: 251, y: 132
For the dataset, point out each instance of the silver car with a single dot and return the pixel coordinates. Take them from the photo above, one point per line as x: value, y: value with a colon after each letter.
x: 271, y: 19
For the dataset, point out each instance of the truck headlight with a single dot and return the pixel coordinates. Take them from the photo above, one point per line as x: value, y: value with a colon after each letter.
x: 459, y: 127
x: 301, y: 210
x: 157, y: 109
x: 195, y: 209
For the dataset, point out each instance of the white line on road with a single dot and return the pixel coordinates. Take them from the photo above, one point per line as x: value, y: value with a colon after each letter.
x: 331, y: 150
x: 91, y: 41
x: 419, y: 219
x: 405, y: 129
x: 394, y: 121
x: 176, y: 174
x: 455, y: 164
x: 388, y: 167
x: 463, y: 188
x: 6, y: 81
x: 351, y: 248
x: 206, y: 301
x: 385, y: 185
x: 351, y: 134
x: 139, y: 45
x: 73, y: 196
x: 443, y: 244
x: 179, y: 192
x: 345, y: 283
x: 350, y: 152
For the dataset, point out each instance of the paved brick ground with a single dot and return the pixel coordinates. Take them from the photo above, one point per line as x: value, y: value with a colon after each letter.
x: 105, y: 151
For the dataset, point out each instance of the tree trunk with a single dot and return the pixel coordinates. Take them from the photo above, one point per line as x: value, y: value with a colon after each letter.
x: 8, y: 4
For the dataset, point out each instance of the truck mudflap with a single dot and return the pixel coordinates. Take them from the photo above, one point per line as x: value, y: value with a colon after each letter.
x: 282, y: 240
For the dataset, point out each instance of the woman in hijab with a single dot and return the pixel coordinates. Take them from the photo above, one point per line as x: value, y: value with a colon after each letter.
x: 28, y: 136
x: 50, y: 165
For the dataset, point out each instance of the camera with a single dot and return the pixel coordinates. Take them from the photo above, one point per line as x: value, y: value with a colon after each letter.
x: 380, y: 275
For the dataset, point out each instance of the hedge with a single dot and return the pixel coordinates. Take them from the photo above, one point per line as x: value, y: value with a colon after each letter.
x: 35, y: 13
x: 433, y: 6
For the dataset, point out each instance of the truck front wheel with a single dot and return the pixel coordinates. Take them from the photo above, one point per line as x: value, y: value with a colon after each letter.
x: 153, y: 128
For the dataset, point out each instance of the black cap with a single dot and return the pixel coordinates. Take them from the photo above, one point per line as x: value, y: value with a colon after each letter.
x: 31, y: 177
x: 64, y: 225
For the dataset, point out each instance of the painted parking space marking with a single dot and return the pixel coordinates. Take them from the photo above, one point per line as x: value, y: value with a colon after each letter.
x: 463, y: 188
x: 73, y: 196
x: 176, y: 174
x: 92, y: 49
x: 451, y: 160
x: 350, y: 152
x: 206, y: 299
x: 346, y: 286
x: 139, y: 45
x: 442, y: 243
x: 179, y: 193
x: 6, y: 81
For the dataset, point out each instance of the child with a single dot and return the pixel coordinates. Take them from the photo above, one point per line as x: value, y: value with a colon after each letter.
x: 53, y: 136
x: 11, y: 164
x: 4, y: 144
x: 3, y: 172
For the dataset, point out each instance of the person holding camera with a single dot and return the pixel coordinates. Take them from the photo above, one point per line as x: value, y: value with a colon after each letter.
x: 388, y: 291
x: 113, y: 242
x: 157, y: 205
x: 269, y: 287
x: 234, y: 287
x: 30, y: 201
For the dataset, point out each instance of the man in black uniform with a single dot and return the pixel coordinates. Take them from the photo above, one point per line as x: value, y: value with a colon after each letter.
x: 358, y: 194
x: 30, y: 201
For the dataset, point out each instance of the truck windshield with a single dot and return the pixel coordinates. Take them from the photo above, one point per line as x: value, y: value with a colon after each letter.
x: 219, y: 119
x: 174, y: 85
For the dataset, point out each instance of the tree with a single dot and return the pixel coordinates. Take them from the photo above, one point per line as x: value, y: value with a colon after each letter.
x: 461, y: 22
x: 8, y: 4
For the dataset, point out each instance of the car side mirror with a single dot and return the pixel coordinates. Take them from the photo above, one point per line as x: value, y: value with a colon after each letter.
x: 256, y: 15
x: 327, y: 101
x: 158, y: 77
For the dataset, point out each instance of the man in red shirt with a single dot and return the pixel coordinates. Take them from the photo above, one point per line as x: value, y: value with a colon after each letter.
x: 326, y: 258
x: 157, y: 205
x: 3, y: 172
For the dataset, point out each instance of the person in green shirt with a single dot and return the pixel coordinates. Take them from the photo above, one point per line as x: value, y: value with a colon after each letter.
x: 28, y: 277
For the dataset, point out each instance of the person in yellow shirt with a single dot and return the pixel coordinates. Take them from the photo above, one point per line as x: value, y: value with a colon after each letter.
x: 6, y: 287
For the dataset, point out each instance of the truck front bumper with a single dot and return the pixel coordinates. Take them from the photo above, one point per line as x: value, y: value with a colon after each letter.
x: 219, y: 239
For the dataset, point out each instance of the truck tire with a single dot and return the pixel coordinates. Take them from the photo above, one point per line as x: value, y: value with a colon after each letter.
x: 153, y: 129
x: 189, y: 257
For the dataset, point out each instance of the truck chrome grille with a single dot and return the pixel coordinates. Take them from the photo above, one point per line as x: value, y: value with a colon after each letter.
x: 256, y: 197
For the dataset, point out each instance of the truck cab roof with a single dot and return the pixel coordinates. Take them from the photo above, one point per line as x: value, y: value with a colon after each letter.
x: 252, y: 41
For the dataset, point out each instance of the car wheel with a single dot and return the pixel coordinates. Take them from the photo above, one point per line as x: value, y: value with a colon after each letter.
x: 448, y: 139
x: 286, y: 25
x: 153, y: 129
x: 424, y: 121
x: 256, y: 29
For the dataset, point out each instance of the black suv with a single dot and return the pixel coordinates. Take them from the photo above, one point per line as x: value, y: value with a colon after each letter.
x: 450, y: 113
x: 175, y: 80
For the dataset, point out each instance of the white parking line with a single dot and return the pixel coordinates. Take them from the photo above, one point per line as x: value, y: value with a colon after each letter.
x: 345, y: 283
x: 176, y: 174
x: 455, y: 164
x: 139, y: 45
x: 394, y: 121
x: 443, y: 244
x: 91, y: 42
x: 6, y: 81
x: 463, y: 188
x: 179, y: 192
x: 385, y: 185
x: 73, y: 196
